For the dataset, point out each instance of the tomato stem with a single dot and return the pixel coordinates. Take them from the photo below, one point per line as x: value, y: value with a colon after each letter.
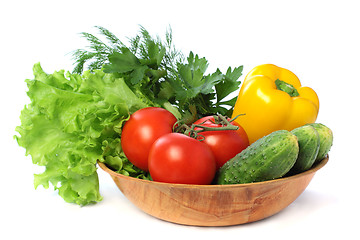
x: 204, y: 128
x: 195, y: 129
x: 233, y: 119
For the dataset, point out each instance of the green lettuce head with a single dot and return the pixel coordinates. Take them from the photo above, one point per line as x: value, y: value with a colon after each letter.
x: 72, y: 122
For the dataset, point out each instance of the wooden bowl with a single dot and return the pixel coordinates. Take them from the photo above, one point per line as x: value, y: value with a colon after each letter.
x: 213, y: 205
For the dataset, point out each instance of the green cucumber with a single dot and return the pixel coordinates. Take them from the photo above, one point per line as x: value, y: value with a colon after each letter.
x: 309, y: 145
x: 268, y: 158
x: 326, y: 140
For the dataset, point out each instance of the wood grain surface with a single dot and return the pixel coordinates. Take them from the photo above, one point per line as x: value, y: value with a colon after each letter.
x: 213, y: 205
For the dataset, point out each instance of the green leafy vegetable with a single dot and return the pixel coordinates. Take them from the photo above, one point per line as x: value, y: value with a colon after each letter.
x: 72, y: 122
x: 193, y: 88
x: 156, y: 70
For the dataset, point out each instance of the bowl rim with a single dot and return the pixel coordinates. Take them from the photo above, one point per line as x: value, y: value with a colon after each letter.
x: 313, y: 169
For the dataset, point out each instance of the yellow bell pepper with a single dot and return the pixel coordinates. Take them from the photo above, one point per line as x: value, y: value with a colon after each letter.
x: 272, y: 98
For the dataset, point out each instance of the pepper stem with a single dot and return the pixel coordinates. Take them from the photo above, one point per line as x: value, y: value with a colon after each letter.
x: 286, y: 87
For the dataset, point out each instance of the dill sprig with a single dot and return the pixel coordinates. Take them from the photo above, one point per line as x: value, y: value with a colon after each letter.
x: 97, y: 53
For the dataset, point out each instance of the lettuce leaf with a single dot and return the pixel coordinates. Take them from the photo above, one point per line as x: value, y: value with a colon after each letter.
x: 71, y: 122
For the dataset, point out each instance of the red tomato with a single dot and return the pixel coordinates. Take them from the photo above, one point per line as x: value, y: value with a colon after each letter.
x: 224, y: 144
x: 177, y: 158
x: 141, y: 131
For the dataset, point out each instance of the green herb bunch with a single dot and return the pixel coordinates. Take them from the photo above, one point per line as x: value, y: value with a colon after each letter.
x: 160, y: 74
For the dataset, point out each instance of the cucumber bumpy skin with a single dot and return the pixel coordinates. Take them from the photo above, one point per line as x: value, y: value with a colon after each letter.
x: 309, y: 145
x: 268, y: 158
x: 326, y: 140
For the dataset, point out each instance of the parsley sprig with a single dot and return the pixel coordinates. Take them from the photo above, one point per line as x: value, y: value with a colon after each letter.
x: 160, y: 75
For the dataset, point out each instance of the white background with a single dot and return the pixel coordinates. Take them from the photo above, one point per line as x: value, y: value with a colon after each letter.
x: 318, y: 40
